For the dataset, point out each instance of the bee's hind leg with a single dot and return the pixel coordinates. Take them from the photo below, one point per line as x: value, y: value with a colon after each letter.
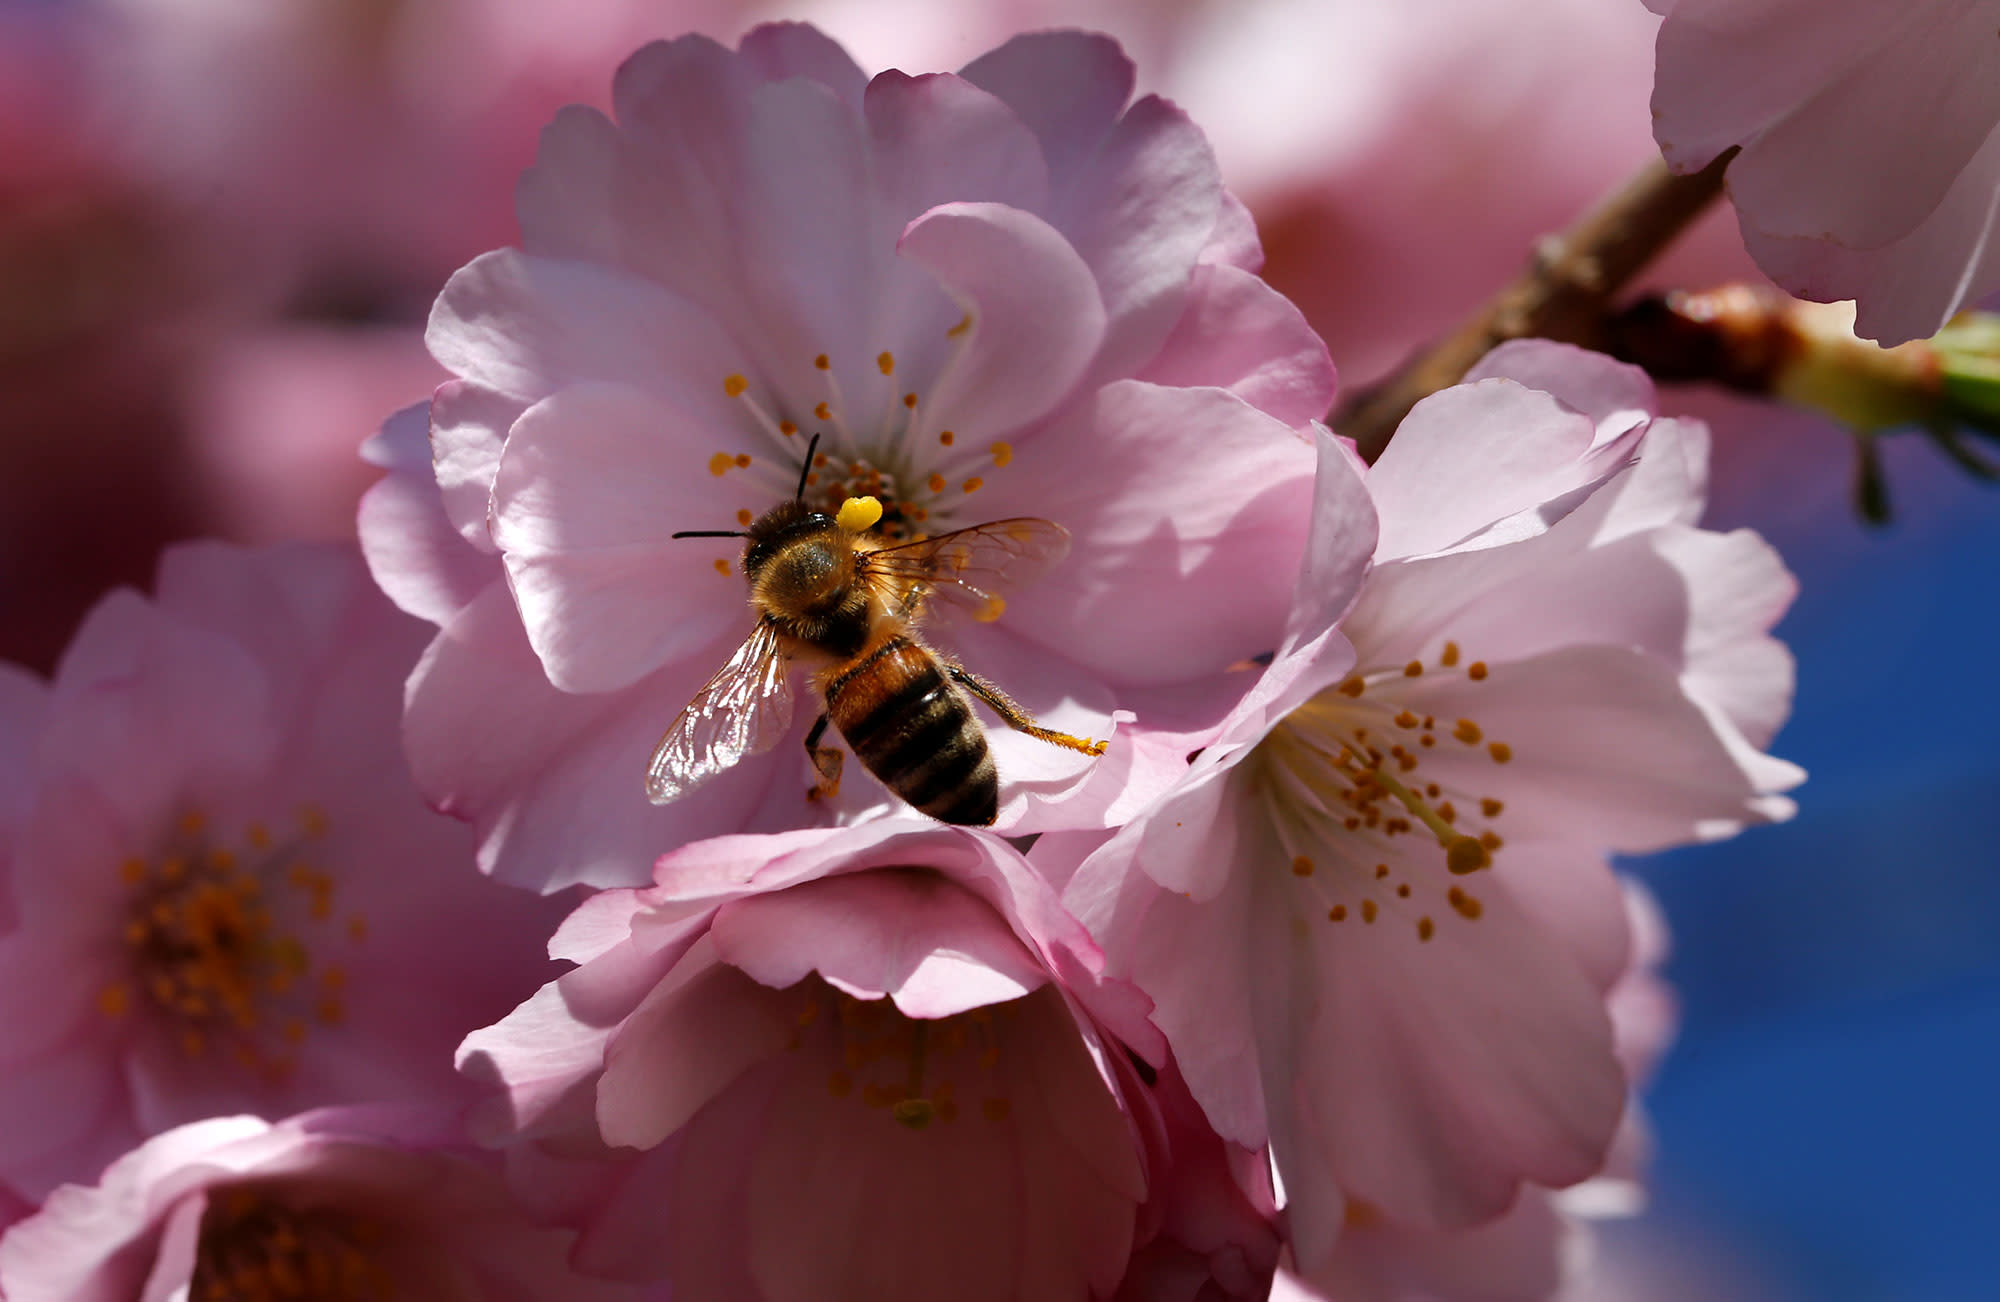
x: 1014, y: 716
x: 826, y: 761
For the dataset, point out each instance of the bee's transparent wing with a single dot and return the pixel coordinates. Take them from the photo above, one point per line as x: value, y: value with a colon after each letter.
x: 968, y: 568
x: 743, y: 710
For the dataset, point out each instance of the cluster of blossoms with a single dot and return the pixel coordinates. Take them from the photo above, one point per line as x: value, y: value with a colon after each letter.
x: 1318, y: 966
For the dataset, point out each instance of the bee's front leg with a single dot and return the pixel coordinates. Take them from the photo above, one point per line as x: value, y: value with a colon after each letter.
x: 826, y: 760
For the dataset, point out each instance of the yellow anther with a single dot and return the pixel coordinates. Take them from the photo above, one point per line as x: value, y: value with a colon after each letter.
x: 1354, y: 686
x: 936, y: 482
x: 787, y: 428
x: 910, y: 401
x: 1465, y: 854
x: 1414, y: 669
x: 1425, y: 928
x: 973, y: 484
x: 1500, y: 751
x: 722, y: 567
x: 946, y: 437
x: 718, y: 465
x: 1302, y: 866
x: 735, y: 385
x: 1468, y: 906
x: 1490, y: 807
x: 1338, y: 913
x: 114, y: 1000
x: 1002, y: 454
x: 886, y: 362
x: 994, y: 608
x: 1450, y: 655
x: 1476, y: 671
x: 859, y: 514
x: 1407, y: 719
x: 743, y: 461
x: 1368, y: 910
x: 1467, y: 731
x: 744, y: 518
x: 823, y: 411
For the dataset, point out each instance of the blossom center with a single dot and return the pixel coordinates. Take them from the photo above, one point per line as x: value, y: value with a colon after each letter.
x: 918, y: 1070
x: 1358, y: 781
x: 255, y: 1248
x: 221, y: 938
x: 885, y: 444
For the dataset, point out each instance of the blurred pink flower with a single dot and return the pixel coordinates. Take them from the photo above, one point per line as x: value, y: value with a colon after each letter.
x: 1011, y: 294
x: 341, y: 1203
x: 1849, y: 184
x: 866, y: 1062
x: 1548, y: 661
x: 224, y: 860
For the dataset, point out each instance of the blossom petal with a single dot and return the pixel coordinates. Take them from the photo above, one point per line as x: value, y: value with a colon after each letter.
x: 585, y: 502
x: 554, y: 781
x: 1240, y: 334
x: 1210, y: 506
x: 928, y: 944
x: 1036, y: 318
x: 469, y: 425
x: 1432, y: 493
x: 779, y: 51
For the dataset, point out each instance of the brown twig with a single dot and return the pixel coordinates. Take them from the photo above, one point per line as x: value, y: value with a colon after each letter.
x: 1563, y: 294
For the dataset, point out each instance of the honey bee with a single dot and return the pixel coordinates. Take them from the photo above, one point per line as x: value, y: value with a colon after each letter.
x: 826, y: 591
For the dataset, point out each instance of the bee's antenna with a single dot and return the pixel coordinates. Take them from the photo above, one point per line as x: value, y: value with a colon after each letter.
x: 806, y: 469
x: 710, y: 533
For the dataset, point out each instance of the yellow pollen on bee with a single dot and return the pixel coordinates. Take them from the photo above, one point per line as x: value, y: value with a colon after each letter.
x: 735, y: 385
x: 719, y: 464
x: 946, y: 437
x: 1476, y: 671
x: 822, y: 362
x: 859, y: 514
x: 886, y: 363
x: 973, y: 484
x: 1002, y: 454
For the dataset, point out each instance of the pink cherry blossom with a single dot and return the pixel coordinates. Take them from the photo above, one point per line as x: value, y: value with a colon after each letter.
x: 866, y: 1062
x: 1006, y: 292
x: 1374, y: 915
x: 340, y: 1203
x: 231, y: 897
x: 1848, y: 184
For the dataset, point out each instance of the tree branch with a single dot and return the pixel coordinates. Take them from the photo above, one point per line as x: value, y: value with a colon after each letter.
x: 1563, y: 294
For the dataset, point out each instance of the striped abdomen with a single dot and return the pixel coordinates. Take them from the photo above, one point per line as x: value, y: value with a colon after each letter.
x: 904, y: 720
